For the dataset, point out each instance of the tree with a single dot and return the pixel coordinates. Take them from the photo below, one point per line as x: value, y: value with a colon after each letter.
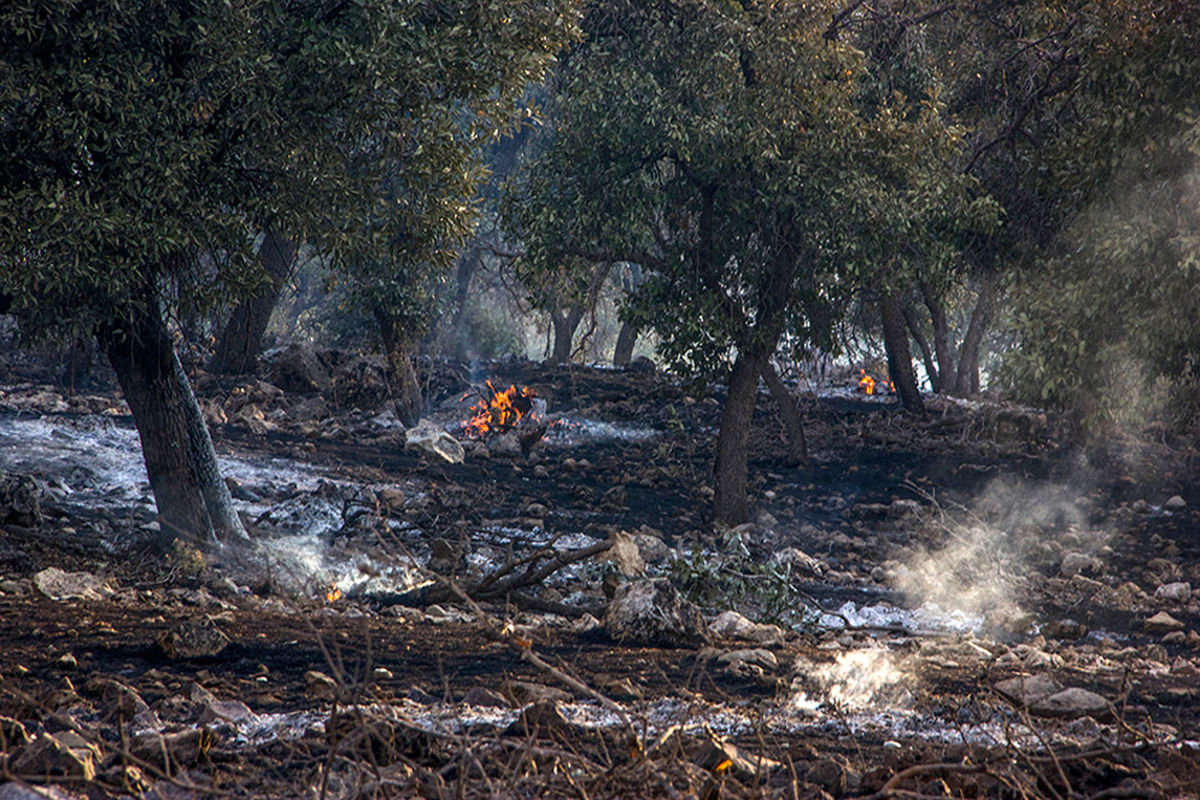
x: 722, y: 147
x: 145, y: 144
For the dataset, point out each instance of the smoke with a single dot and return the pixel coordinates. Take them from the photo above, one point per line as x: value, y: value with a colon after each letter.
x: 858, y: 680
x: 978, y: 559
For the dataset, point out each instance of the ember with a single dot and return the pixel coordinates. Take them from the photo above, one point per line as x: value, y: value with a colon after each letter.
x: 333, y: 594
x: 499, y: 412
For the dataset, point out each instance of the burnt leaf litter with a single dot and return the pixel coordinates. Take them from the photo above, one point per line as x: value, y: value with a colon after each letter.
x: 960, y: 605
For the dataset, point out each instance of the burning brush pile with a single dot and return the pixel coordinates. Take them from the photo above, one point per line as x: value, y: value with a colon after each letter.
x: 507, y: 419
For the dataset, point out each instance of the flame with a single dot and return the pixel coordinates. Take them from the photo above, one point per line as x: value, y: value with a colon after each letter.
x: 869, y: 384
x: 500, y: 412
x: 333, y: 594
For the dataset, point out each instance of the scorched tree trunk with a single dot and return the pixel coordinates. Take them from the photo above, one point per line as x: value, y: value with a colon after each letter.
x: 241, y: 339
x: 899, y: 356
x: 406, y: 389
x: 732, y: 505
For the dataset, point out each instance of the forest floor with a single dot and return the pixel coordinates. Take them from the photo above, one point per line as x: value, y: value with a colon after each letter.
x: 958, y: 605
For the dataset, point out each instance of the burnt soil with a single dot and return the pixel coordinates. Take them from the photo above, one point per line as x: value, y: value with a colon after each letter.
x: 961, y: 463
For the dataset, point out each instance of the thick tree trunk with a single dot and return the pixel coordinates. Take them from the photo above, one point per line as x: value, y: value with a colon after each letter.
x: 193, y: 502
x: 731, y: 478
x: 941, y: 339
x: 626, y: 339
x: 967, y: 382
x: 406, y: 389
x: 899, y: 357
x: 564, y: 325
x: 241, y: 339
x: 468, y: 265
x: 793, y: 423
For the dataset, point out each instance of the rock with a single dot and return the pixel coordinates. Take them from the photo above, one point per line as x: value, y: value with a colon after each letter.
x: 1071, y: 703
x: 542, y: 718
x: 745, y: 662
x: 799, y: 560
x: 1175, y: 503
x: 484, y: 697
x: 428, y: 438
x: 652, y: 548
x: 520, y: 693
x: 1064, y: 629
x: 732, y: 625
x: 12, y: 734
x: 229, y: 711
x: 59, y: 585
x: 361, y: 382
x: 297, y: 367
x: 117, y: 700
x: 652, y: 612
x: 1162, y: 622
x: 1026, y: 690
x: 20, y: 501
x: 1177, y: 592
x: 193, y: 639
x: 172, y: 750
x: 626, y: 555
x: 615, y: 499
x: 1074, y: 563
x: 320, y: 686
x: 65, y: 754
x: 717, y: 756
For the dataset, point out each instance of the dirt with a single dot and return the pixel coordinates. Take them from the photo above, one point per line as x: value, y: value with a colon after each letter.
x: 978, y: 508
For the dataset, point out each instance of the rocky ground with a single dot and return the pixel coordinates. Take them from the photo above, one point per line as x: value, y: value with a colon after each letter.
x: 955, y: 606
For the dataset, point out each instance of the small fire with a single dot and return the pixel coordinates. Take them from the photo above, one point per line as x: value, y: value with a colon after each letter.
x: 499, y: 412
x: 333, y: 594
x: 869, y: 385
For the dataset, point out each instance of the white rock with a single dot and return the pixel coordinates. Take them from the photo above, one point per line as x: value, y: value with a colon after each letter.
x: 429, y: 438
x: 1075, y: 563
x: 732, y: 625
x: 59, y: 585
x: 652, y: 612
x: 1175, y: 503
x: 1177, y: 592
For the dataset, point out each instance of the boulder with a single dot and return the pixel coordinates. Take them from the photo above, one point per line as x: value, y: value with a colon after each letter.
x: 65, y: 754
x: 652, y: 612
x: 1071, y: 703
x: 297, y: 367
x: 428, y: 438
x: 60, y: 585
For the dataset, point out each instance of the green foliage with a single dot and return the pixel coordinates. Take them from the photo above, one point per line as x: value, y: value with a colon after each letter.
x: 732, y: 578
x: 146, y: 143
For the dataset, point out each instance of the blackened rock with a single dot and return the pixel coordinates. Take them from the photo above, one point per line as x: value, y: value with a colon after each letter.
x: 20, y: 501
x: 297, y: 368
x: 653, y: 612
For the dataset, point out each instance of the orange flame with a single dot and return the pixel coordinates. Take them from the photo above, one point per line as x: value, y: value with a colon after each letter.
x: 499, y: 413
x: 333, y: 594
x: 866, y: 382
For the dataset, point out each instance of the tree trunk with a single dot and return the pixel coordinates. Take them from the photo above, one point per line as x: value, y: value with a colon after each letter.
x: 460, y: 343
x: 967, y: 382
x: 941, y: 339
x: 193, y: 502
x: 731, y: 478
x: 899, y: 357
x: 406, y: 389
x: 241, y: 339
x: 78, y: 370
x: 793, y: 423
x: 626, y: 338
x: 931, y: 369
x: 564, y: 325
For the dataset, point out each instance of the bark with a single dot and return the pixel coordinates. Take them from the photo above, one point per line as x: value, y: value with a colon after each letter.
x: 793, y: 423
x: 931, y: 369
x: 78, y: 369
x: 241, y: 339
x: 193, y: 502
x: 406, y: 389
x: 468, y: 265
x: 967, y: 382
x: 564, y: 324
x: 731, y: 478
x: 626, y: 338
x: 941, y: 338
x: 899, y: 357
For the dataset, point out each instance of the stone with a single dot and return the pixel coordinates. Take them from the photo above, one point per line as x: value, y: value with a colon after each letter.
x: 117, y: 700
x: 320, y: 686
x: 732, y: 625
x: 229, y: 711
x: 485, y: 698
x: 12, y: 734
x: 60, y: 585
x: 1176, y: 592
x: 520, y: 693
x: 65, y: 754
x: 718, y: 756
x: 20, y: 501
x: 1064, y: 629
x: 749, y: 661
x: 1074, y: 563
x: 626, y: 555
x: 1175, y: 503
x: 428, y: 438
x: 542, y: 718
x: 1028, y: 689
x: 172, y: 750
x: 652, y: 612
x: 652, y: 548
x: 297, y: 367
x: 1071, y: 703
x: 1162, y: 622
x: 800, y: 560
x: 193, y: 639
